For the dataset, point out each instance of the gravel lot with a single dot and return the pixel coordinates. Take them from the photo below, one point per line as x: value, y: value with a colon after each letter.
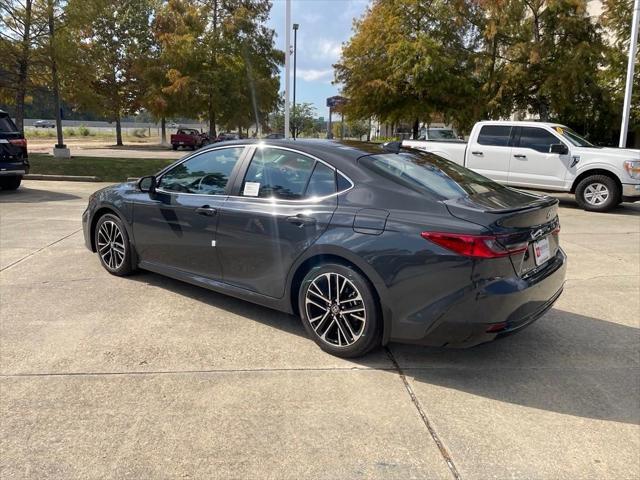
x: 145, y: 377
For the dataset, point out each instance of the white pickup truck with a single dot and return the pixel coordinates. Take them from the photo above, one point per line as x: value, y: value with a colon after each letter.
x: 545, y: 156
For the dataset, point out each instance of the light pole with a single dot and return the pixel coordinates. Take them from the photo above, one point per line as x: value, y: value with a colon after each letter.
x: 287, y: 68
x: 295, y: 54
x: 633, y: 47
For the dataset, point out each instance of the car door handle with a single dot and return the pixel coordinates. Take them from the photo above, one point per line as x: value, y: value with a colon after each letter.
x: 520, y: 156
x: 206, y: 210
x: 301, y: 220
x: 477, y: 154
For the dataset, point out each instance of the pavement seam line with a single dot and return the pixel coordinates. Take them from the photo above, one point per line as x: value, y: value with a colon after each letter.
x: 414, y: 399
x: 189, y: 372
x: 40, y: 249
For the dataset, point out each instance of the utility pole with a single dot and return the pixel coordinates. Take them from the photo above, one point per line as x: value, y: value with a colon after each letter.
x: 295, y: 55
x: 287, y: 67
x: 633, y: 48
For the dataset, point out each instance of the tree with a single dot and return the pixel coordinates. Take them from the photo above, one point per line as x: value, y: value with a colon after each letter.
x: 105, y: 44
x: 304, y: 123
x: 22, y: 25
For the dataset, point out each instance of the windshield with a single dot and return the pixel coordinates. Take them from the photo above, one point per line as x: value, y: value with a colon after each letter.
x: 426, y: 172
x: 573, y: 138
x: 441, y: 134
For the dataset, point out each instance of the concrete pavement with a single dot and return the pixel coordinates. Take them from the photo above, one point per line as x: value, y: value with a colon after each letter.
x: 146, y: 377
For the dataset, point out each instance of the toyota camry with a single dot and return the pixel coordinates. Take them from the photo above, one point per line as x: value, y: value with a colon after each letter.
x: 366, y: 243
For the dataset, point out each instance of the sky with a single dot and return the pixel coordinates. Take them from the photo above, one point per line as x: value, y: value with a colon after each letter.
x: 324, y: 26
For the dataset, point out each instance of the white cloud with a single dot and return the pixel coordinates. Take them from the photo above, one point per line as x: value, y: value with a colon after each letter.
x: 325, y: 49
x: 313, y: 75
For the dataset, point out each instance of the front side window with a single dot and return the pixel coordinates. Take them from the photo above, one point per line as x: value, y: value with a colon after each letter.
x: 276, y: 173
x: 537, y: 139
x: 494, y: 135
x: 7, y: 125
x: 205, y: 174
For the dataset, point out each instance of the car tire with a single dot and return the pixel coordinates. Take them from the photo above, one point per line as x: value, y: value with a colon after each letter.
x: 112, y: 245
x: 598, y: 193
x: 340, y: 310
x: 10, y: 183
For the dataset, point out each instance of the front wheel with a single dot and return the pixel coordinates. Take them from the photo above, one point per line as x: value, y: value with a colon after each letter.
x: 598, y: 193
x: 10, y: 183
x: 339, y: 310
x: 112, y: 245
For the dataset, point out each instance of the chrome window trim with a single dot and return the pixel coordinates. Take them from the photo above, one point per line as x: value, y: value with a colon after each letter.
x: 273, y: 200
x: 194, y: 155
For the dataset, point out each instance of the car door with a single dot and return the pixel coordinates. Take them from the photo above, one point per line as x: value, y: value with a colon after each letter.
x: 489, y: 154
x: 281, y: 205
x: 175, y: 226
x: 532, y: 164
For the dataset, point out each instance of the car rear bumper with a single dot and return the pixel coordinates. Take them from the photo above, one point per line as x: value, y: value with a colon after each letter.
x: 12, y: 173
x: 494, y: 307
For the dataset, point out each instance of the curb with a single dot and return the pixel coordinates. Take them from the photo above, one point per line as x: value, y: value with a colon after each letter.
x: 69, y: 178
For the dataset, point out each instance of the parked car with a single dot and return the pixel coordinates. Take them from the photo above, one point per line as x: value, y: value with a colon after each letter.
x: 548, y: 157
x: 367, y: 245
x: 14, y: 161
x: 225, y: 137
x: 438, y: 134
x: 44, y: 124
x: 275, y: 136
x: 188, y: 137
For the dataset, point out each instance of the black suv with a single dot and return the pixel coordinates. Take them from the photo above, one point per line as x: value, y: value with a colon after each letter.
x: 14, y: 162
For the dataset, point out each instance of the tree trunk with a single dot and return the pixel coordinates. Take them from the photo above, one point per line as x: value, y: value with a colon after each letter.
x: 416, y: 129
x: 163, y: 131
x: 23, y: 67
x: 54, y: 74
x: 118, y: 131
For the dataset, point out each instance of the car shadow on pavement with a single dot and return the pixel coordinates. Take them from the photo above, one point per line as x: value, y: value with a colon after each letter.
x: 565, y: 363
x: 34, y: 195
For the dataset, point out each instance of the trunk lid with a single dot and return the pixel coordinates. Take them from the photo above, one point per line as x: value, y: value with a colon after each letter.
x: 516, y: 218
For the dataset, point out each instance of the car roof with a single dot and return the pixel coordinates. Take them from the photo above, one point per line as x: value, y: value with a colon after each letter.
x: 340, y: 153
x: 521, y: 123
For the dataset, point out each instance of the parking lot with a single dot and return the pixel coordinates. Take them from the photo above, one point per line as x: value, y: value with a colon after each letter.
x: 146, y: 377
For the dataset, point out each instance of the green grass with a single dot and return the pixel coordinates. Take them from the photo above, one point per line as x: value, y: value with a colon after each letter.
x: 106, y: 169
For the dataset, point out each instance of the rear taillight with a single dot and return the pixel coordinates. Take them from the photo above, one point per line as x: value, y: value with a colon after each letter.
x: 19, y: 142
x: 478, y: 246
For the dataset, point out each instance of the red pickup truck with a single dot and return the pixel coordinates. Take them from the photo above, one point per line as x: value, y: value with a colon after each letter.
x: 188, y: 137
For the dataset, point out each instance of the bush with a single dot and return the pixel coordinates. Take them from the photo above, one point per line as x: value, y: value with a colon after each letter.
x: 69, y: 132
x: 84, y: 131
x: 140, y: 132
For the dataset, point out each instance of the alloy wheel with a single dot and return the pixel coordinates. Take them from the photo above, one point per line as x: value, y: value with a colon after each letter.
x: 596, y: 194
x: 111, y: 245
x: 335, y: 309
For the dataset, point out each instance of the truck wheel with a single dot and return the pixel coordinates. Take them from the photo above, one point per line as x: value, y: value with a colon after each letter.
x: 598, y: 193
x: 175, y: 147
x: 10, y: 183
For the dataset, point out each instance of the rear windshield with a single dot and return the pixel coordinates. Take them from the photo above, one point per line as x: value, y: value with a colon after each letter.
x: 429, y: 173
x: 6, y: 125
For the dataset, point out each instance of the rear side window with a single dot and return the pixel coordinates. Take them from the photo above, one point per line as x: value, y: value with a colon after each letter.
x: 322, y: 182
x: 537, y: 139
x: 276, y: 173
x: 494, y: 135
x: 7, y: 125
x: 429, y: 173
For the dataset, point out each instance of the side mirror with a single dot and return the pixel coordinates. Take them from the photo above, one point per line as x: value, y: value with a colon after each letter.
x: 147, y: 184
x: 559, y: 148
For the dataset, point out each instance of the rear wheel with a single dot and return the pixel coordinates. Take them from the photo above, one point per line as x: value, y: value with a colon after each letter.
x: 598, y: 193
x: 339, y: 310
x: 112, y: 245
x: 175, y: 147
x: 10, y: 183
